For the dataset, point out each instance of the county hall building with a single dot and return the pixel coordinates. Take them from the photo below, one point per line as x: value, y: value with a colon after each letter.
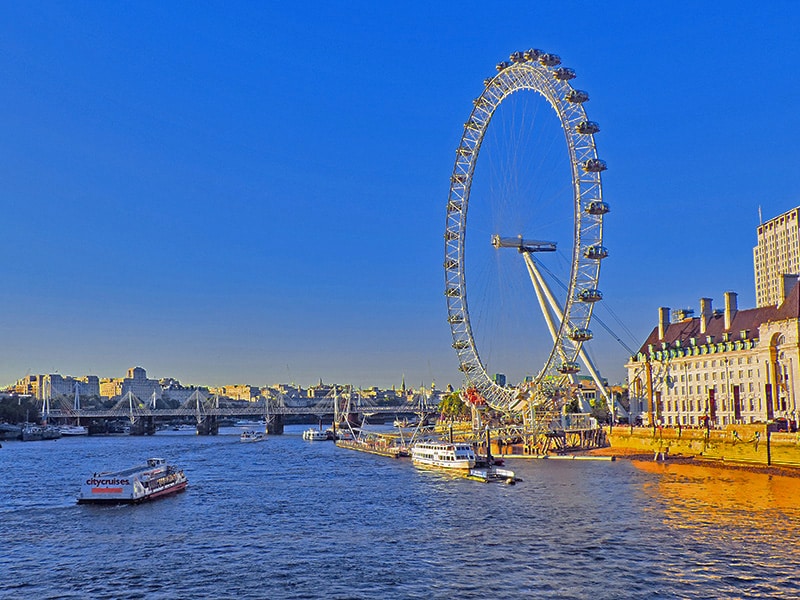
x: 727, y: 365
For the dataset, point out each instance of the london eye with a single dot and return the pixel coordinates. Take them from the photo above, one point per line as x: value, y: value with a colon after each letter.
x: 575, y: 208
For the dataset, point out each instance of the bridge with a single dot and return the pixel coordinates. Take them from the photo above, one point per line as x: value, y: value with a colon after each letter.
x: 208, y: 411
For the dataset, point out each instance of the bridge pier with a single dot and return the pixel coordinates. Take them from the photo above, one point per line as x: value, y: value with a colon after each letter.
x: 143, y: 426
x: 208, y: 426
x: 275, y: 425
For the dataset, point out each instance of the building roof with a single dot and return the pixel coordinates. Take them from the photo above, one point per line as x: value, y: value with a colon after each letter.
x: 743, y: 320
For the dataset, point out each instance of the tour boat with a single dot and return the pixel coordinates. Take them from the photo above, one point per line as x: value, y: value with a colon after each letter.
x: 134, y: 485
x: 252, y: 436
x: 444, y: 455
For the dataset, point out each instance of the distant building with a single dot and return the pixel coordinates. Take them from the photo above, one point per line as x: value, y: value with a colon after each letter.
x: 138, y: 383
x: 776, y: 257
x: 89, y: 385
x: 111, y: 388
x: 721, y: 367
x: 499, y: 379
x: 237, y: 392
x: 28, y: 385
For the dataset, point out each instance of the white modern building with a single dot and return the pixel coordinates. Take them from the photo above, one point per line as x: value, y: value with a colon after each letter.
x: 776, y: 257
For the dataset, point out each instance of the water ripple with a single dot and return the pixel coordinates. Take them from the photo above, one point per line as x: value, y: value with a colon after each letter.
x: 288, y: 519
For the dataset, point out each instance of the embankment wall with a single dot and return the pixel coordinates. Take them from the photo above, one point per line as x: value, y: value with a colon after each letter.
x: 755, y: 444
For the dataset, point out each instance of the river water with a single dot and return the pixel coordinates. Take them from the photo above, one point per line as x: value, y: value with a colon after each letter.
x: 293, y: 519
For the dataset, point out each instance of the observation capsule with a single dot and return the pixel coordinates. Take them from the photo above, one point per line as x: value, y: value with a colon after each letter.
x: 472, y: 125
x: 597, y: 207
x: 564, y: 74
x: 587, y: 127
x: 466, y: 368
x: 450, y: 235
x: 532, y: 54
x: 458, y: 178
x: 464, y: 151
x: 502, y: 65
x: 454, y: 205
x: 580, y: 334
x: 455, y: 319
x: 460, y: 344
x: 452, y: 292
x: 595, y: 252
x: 568, y: 368
x: 488, y: 81
x: 517, y: 57
x: 577, y: 96
x: 450, y: 264
x: 549, y: 60
x: 594, y: 165
x: 590, y: 295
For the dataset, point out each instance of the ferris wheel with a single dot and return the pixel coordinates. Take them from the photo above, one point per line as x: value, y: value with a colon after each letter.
x: 567, y: 318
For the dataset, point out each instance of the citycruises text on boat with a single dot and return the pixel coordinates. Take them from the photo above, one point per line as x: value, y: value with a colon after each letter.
x: 134, y: 485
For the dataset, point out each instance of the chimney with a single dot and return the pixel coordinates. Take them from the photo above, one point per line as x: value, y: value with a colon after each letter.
x: 705, y: 313
x: 730, y: 309
x: 663, y: 322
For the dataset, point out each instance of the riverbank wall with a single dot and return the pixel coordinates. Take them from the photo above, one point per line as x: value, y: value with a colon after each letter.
x: 757, y: 443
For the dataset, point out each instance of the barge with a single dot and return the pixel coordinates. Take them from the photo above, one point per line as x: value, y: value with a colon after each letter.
x: 371, y: 447
x: 132, y: 486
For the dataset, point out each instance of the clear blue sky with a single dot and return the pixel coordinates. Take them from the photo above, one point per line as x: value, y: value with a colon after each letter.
x: 252, y: 192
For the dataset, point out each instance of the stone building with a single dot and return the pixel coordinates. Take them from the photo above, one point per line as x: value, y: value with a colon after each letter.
x: 721, y: 367
x: 138, y: 383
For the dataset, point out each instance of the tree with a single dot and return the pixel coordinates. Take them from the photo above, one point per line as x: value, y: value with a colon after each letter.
x: 453, y: 407
x: 18, y: 410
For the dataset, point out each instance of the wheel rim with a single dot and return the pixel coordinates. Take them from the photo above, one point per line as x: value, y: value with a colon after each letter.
x: 539, y: 72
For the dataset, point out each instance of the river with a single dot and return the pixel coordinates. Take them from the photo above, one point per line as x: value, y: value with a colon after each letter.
x: 293, y: 519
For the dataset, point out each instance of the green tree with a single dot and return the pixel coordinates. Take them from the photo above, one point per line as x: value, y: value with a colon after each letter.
x: 453, y: 407
x: 17, y: 410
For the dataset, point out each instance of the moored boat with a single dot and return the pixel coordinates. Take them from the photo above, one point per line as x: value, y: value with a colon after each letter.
x: 50, y: 432
x: 34, y: 433
x: 10, y: 432
x: 70, y: 430
x: 134, y: 485
x: 491, y: 473
x: 444, y: 455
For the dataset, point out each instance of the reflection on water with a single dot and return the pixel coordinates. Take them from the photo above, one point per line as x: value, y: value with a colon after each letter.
x: 740, y: 528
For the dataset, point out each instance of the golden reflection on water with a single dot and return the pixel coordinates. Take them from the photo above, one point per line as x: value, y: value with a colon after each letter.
x: 736, y: 503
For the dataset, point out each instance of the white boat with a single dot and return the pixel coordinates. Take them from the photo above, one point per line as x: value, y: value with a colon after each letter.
x: 444, y: 455
x: 315, y: 435
x: 70, y: 430
x: 134, y: 485
x: 252, y: 436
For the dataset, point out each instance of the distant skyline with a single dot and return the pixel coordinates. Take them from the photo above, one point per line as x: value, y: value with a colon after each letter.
x: 243, y: 193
